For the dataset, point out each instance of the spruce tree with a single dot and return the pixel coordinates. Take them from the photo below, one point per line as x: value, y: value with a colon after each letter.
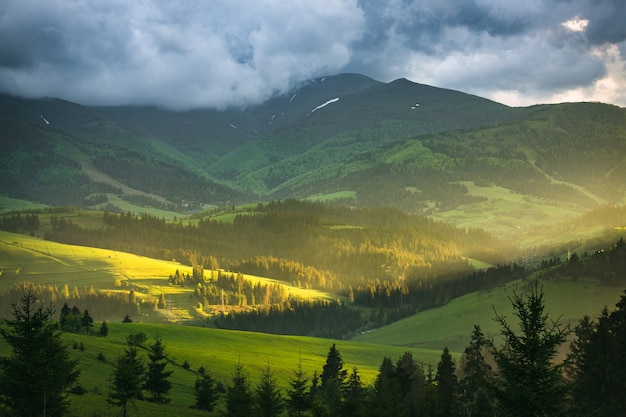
x: 269, y: 401
x: 354, y: 395
x: 475, y: 399
x: 599, y: 380
x: 298, y: 399
x: 411, y: 381
x: 128, y: 377
x: 385, y: 397
x: 239, y: 395
x: 35, y: 376
x: 86, y: 322
x: 529, y: 382
x: 104, y: 329
x: 206, y: 392
x: 157, y: 383
x: 332, y: 380
x: 447, y: 386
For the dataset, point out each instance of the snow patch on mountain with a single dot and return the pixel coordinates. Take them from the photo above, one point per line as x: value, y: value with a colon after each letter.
x: 334, y: 100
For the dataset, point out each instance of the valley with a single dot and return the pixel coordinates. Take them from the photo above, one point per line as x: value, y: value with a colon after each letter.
x: 381, y: 217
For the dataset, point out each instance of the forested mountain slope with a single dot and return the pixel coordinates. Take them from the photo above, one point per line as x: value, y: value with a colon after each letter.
x: 402, y: 144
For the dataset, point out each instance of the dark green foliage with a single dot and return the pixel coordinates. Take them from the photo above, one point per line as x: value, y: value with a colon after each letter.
x: 239, y: 395
x: 128, y: 379
x: 447, y: 386
x: 269, y: 401
x: 529, y: 383
x: 136, y: 339
x: 385, y: 398
x: 298, y: 400
x: 474, y: 395
x: 411, y: 382
x: 353, y: 395
x: 104, y: 329
x: 35, y: 376
x: 86, y: 322
x: 157, y: 383
x: 332, y: 381
x: 598, y: 366
x: 330, y: 319
x: 206, y: 392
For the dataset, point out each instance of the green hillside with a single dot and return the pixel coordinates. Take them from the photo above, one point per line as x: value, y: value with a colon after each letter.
x: 83, y: 269
x: 402, y: 144
x: 451, y: 324
x: 218, y: 352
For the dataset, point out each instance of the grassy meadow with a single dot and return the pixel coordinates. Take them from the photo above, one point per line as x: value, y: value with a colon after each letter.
x: 27, y: 258
x: 506, y: 212
x: 218, y: 351
x: 452, y: 324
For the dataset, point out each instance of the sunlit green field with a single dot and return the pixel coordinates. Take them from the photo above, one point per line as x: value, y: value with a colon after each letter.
x: 506, y: 212
x: 26, y: 258
x: 218, y: 351
x: 451, y: 325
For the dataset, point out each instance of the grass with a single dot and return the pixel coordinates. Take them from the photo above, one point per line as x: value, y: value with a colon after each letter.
x: 452, y: 324
x: 218, y: 351
x: 507, y: 213
x: 26, y: 258
x: 8, y: 204
x: 126, y: 206
x: 332, y: 196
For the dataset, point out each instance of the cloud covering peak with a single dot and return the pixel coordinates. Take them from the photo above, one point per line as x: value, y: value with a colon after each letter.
x: 218, y: 53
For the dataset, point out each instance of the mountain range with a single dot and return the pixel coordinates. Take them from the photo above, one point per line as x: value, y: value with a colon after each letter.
x: 419, y: 148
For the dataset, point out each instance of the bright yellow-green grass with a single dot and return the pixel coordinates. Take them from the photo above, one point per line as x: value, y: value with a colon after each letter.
x: 452, y: 324
x: 506, y: 212
x: 218, y: 351
x: 26, y: 258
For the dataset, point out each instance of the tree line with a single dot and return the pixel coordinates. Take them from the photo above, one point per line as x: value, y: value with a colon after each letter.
x: 521, y: 377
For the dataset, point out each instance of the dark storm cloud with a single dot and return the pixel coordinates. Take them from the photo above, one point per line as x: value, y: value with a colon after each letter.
x: 607, y: 21
x: 184, y: 54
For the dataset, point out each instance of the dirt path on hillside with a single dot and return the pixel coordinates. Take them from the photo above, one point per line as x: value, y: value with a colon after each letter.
x: 98, y: 176
x: 553, y: 180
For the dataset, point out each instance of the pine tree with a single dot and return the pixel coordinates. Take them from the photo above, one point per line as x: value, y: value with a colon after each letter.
x: 447, y: 386
x: 385, y: 398
x: 86, y: 322
x: 529, y: 383
x: 65, y: 313
x: 298, y: 399
x: 354, y: 395
x: 269, y: 399
x: 206, y: 392
x: 34, y: 378
x: 332, y: 380
x: 157, y: 383
x: 475, y: 399
x: 239, y: 396
x: 599, y: 381
x: 128, y: 377
x: 104, y: 329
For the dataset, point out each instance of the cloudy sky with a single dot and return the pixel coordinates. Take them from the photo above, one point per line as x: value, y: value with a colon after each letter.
x: 215, y: 53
